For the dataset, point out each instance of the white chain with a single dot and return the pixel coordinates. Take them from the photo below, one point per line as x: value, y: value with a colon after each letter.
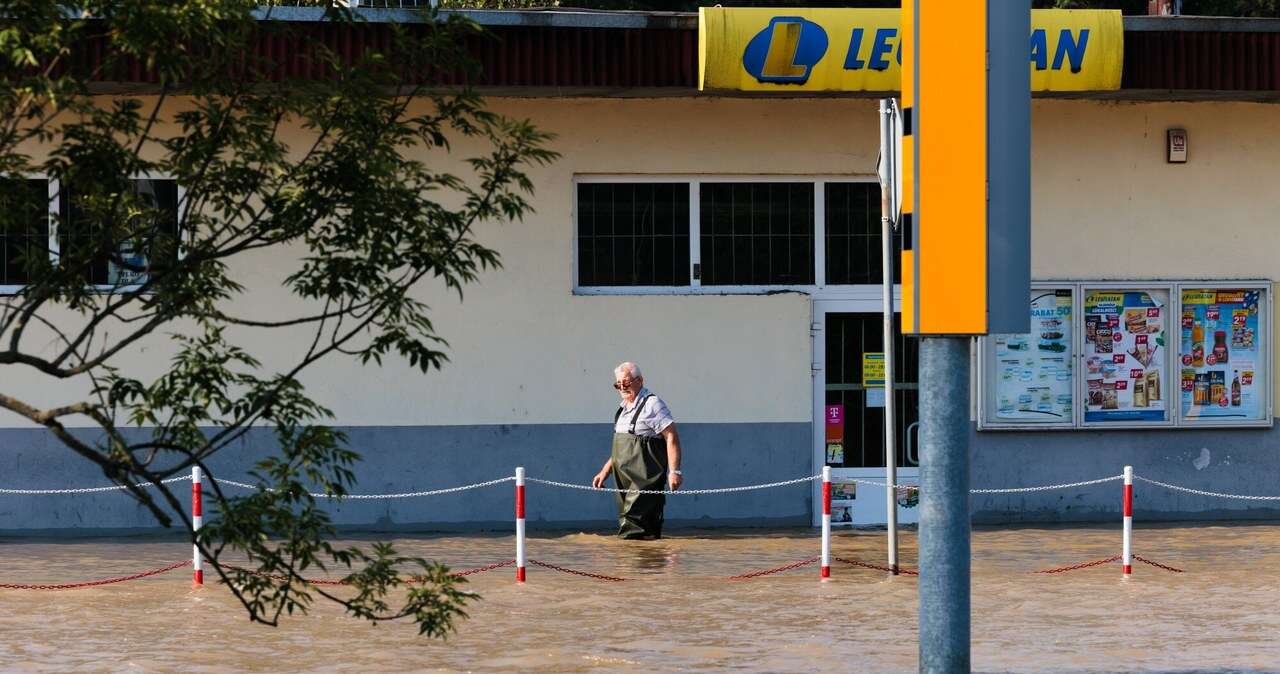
x: 1021, y: 490
x: 91, y: 490
x: 410, y: 494
x: 682, y: 492
x: 1209, y: 493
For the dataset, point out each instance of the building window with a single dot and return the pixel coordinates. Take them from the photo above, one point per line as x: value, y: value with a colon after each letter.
x: 122, y: 254
x: 24, y: 228
x: 749, y: 234
x: 757, y: 233
x: 853, y: 234
x: 633, y: 234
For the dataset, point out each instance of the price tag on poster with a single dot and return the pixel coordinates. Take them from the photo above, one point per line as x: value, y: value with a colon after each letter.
x: 1124, y: 349
x: 1220, y: 358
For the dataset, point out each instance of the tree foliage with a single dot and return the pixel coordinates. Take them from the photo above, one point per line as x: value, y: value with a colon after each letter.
x: 337, y: 178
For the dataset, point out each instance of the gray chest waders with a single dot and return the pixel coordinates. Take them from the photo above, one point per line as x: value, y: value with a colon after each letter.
x: 639, y: 463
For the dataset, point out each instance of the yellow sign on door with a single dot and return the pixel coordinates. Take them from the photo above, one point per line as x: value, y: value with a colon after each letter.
x: 873, y: 370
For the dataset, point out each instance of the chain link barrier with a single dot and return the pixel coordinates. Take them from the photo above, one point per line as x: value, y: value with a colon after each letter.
x: 1082, y: 565
x: 92, y: 490
x: 853, y: 562
x: 584, y: 574
x: 681, y: 492
x: 1200, y: 492
x: 327, y: 581
x: 1047, y: 487
x: 410, y: 494
x: 1156, y: 564
x: 95, y: 583
x: 765, y: 572
x: 482, y: 569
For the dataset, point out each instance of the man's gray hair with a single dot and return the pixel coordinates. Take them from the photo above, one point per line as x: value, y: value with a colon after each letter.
x: 628, y: 368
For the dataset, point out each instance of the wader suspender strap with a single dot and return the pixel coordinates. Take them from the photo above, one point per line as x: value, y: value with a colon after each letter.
x: 634, y: 416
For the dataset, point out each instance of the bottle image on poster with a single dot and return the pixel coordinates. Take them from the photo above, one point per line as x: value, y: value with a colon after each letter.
x: 1220, y: 356
x: 1124, y: 355
x: 1033, y: 370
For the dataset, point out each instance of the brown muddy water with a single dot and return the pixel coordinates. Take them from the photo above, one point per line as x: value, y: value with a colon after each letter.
x: 680, y: 612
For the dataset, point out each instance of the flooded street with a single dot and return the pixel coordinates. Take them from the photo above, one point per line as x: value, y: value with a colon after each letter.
x: 680, y: 612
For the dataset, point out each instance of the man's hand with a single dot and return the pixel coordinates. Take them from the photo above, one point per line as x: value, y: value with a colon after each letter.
x: 674, y: 481
x: 598, y: 480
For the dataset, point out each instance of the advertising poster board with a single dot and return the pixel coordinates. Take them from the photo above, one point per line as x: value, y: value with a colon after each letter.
x: 1222, y: 372
x: 1124, y: 355
x: 1033, y: 373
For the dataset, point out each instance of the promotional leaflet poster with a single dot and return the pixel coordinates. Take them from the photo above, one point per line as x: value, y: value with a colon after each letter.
x: 1124, y: 334
x: 1220, y: 354
x: 1033, y: 371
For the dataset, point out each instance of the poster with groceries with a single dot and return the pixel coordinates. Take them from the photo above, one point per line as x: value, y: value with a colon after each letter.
x: 1124, y: 354
x: 1219, y: 354
x: 1033, y: 370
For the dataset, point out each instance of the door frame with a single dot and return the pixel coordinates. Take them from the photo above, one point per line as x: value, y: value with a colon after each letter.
x: 863, y: 304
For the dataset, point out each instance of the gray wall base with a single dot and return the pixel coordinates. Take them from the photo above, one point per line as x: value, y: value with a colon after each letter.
x: 1237, y: 461
x: 401, y: 459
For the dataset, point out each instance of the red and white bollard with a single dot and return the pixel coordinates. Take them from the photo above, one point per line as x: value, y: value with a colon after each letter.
x: 826, y: 521
x: 520, y: 525
x: 1126, y: 555
x: 197, y: 518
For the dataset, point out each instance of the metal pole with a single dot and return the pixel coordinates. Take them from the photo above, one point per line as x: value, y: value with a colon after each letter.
x: 888, y: 211
x: 944, y: 504
x: 1127, y: 549
x: 520, y: 524
x: 197, y: 520
x: 826, y: 522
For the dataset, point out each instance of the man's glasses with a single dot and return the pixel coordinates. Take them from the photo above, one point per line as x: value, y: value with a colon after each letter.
x: 625, y: 383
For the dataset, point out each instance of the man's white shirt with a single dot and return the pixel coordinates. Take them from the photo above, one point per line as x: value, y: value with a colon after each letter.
x: 653, y: 420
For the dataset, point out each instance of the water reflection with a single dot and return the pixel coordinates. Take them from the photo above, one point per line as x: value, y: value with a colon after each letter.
x: 653, y: 557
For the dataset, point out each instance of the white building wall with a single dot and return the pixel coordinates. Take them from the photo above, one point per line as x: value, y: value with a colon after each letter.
x: 524, y: 349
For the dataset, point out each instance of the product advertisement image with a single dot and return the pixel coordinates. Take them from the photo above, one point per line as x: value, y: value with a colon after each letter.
x: 1220, y: 355
x: 1132, y: 355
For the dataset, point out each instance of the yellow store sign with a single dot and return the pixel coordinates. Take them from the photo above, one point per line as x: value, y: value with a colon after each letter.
x: 808, y: 50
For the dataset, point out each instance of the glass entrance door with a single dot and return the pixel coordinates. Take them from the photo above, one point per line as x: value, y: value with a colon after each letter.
x: 849, y: 419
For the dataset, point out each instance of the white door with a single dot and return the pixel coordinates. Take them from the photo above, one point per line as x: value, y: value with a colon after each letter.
x: 843, y: 331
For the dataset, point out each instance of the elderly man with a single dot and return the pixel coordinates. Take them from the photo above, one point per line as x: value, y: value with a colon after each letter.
x: 645, y: 455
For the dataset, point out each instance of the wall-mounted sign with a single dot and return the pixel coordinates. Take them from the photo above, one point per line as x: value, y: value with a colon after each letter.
x: 1177, y: 146
x: 789, y: 50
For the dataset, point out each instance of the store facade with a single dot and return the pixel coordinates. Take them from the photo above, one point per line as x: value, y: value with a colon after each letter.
x: 730, y: 245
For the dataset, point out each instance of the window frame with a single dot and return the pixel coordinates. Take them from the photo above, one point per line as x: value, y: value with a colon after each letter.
x: 55, y: 210
x: 695, y: 180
